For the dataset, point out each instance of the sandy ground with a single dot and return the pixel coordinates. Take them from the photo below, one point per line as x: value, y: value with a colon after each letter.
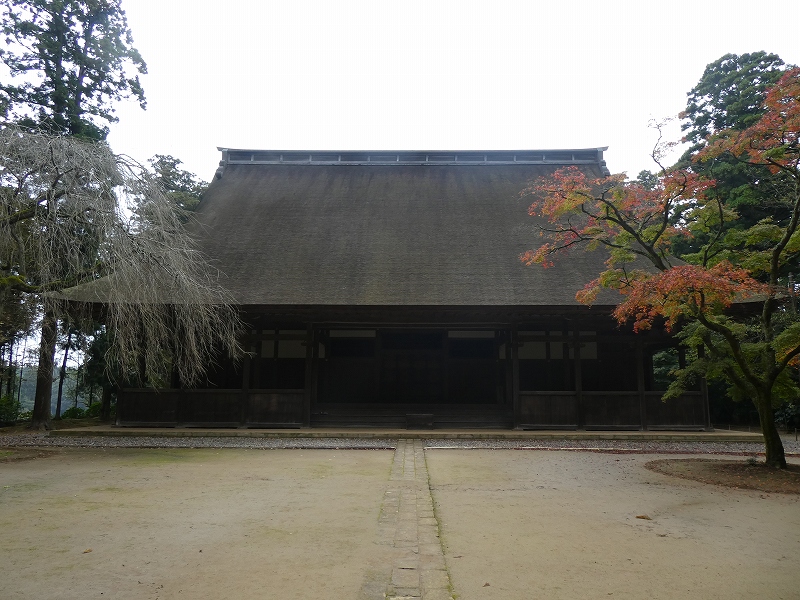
x: 189, y: 523
x: 304, y: 524
x: 519, y: 525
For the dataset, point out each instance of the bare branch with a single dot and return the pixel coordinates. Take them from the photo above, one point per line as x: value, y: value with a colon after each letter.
x: 82, y: 216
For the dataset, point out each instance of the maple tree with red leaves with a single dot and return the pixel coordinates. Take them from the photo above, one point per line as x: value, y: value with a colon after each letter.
x: 638, y: 223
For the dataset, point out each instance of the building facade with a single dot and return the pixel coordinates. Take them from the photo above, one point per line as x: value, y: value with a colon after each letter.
x: 385, y: 289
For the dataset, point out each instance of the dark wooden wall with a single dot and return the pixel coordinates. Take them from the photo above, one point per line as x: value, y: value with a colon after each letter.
x: 550, y: 374
x: 211, y: 408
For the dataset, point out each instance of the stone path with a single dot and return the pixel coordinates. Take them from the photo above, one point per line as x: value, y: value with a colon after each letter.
x: 409, y: 527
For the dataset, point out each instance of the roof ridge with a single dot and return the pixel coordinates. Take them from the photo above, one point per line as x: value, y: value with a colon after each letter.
x: 568, y: 156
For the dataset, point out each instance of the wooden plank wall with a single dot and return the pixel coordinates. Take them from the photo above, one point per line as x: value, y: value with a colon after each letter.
x: 609, y: 411
x: 210, y: 408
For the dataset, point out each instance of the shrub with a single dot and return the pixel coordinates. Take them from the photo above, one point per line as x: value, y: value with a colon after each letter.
x: 93, y: 410
x: 788, y: 416
x: 74, y: 412
x: 9, y: 410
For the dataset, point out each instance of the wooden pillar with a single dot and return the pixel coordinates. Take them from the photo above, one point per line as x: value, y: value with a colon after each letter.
x: 704, y: 395
x: 508, y: 400
x: 514, y: 344
x: 245, y: 397
x: 578, y: 378
x: 640, y: 375
x: 311, y: 365
x: 566, y: 371
x: 444, y: 357
x: 377, y: 389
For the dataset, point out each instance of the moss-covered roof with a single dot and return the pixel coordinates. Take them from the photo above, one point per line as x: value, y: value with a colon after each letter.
x: 360, y: 233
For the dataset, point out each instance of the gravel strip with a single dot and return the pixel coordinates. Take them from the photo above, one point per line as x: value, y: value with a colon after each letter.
x: 43, y: 440
x: 791, y: 448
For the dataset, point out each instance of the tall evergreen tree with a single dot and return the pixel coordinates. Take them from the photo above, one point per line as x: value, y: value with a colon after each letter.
x: 70, y: 61
x: 730, y: 96
x: 183, y: 188
x: 156, y: 287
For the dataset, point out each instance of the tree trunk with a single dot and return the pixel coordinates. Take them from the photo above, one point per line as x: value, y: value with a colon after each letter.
x: 105, y: 409
x: 773, y: 444
x: 61, y: 375
x: 11, y: 368
x: 22, y: 369
x: 44, y: 373
x: 75, y: 399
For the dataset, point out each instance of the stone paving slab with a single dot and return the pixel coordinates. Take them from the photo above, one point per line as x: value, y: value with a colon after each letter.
x: 418, y: 569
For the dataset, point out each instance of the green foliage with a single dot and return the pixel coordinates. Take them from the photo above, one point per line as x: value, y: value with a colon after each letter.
x: 93, y: 374
x: 17, y: 317
x: 730, y: 93
x: 9, y: 409
x: 731, y: 299
x: 665, y: 366
x: 69, y: 61
x: 759, y: 352
x: 647, y: 179
x: 93, y: 411
x: 76, y: 412
x: 182, y: 188
x: 73, y: 412
x: 788, y: 415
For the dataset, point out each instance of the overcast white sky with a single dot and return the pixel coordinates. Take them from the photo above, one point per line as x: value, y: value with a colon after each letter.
x: 412, y: 74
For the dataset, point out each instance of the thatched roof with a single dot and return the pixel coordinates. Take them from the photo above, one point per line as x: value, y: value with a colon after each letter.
x: 378, y: 229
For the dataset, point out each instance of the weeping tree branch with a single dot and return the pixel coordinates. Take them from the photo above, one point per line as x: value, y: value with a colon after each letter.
x: 82, y: 216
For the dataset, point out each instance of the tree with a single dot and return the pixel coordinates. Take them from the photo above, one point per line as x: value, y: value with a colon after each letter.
x: 74, y: 214
x: 70, y: 61
x: 729, y: 300
x: 730, y: 95
x: 183, y: 188
x: 74, y: 340
x: 16, y: 323
x: 95, y: 372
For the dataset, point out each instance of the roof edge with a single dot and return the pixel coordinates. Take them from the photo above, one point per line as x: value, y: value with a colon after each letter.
x: 563, y: 156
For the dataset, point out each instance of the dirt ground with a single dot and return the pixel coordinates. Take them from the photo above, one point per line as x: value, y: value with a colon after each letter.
x: 156, y: 523
x: 137, y: 524
x: 740, y: 474
x: 579, y: 525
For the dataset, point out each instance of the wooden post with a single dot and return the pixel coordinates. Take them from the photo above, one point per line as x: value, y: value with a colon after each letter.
x: 704, y: 396
x: 514, y: 343
x: 508, y: 400
x: 311, y: 351
x: 578, y: 378
x: 377, y: 389
x: 444, y: 358
x: 640, y: 383
x: 245, y: 396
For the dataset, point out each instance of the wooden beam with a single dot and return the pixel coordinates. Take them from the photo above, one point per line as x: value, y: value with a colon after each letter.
x: 578, y: 375
x: 311, y: 350
x: 245, y: 389
x: 640, y: 382
x: 515, y: 377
